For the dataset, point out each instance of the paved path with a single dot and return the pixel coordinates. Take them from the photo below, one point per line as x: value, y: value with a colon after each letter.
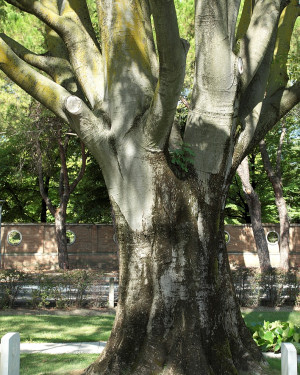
x: 60, y: 348
x: 277, y: 355
x: 82, y: 347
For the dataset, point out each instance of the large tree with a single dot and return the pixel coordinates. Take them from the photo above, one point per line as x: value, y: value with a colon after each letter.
x: 177, y: 313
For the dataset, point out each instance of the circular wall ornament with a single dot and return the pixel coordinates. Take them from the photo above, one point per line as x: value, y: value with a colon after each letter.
x: 71, y: 237
x: 14, y: 237
x: 227, y: 236
x: 272, y: 237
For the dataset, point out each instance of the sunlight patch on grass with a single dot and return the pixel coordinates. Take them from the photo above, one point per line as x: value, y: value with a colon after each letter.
x: 256, y: 316
x: 51, y: 364
x: 49, y: 328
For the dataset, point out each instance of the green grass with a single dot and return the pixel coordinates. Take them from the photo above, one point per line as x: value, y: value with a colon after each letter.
x: 50, y: 328
x: 53, y: 328
x: 50, y: 364
x: 256, y: 316
x: 275, y: 366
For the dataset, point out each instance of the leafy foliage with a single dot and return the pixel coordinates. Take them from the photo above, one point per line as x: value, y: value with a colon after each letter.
x: 270, y: 335
x: 63, y: 289
x: 183, y: 156
x: 237, y: 210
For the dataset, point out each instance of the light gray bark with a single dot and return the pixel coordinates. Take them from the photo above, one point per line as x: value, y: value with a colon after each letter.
x: 255, y: 214
x: 276, y: 181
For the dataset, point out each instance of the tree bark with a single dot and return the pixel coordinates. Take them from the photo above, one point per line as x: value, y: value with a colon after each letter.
x: 255, y: 213
x: 44, y: 205
x: 61, y: 239
x: 177, y: 311
x: 275, y: 179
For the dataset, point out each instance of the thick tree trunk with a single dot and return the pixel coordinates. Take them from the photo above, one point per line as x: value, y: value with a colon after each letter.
x: 255, y: 213
x: 61, y: 239
x: 177, y: 312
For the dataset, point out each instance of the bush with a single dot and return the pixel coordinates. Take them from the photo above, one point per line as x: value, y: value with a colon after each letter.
x: 271, y: 288
x: 11, y: 282
x: 269, y: 336
x: 44, y: 290
x: 75, y: 284
x: 39, y: 290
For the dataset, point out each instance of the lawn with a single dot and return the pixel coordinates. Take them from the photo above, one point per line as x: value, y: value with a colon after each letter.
x: 51, y: 328
x: 256, y: 316
x: 50, y: 364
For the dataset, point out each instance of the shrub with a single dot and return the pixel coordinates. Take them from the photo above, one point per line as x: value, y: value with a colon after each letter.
x: 75, y: 284
x: 11, y: 283
x: 269, y: 336
x: 272, y: 288
x: 43, y: 291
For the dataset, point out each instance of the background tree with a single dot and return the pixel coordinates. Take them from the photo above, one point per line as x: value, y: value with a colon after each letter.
x: 177, y: 313
x: 42, y: 163
x: 275, y: 176
x: 254, y: 205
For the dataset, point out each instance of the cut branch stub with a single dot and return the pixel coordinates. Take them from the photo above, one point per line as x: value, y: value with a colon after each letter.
x: 73, y: 104
x: 240, y: 65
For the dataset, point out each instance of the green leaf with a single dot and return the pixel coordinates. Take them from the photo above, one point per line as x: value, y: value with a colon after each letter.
x: 269, y: 336
x: 296, y: 336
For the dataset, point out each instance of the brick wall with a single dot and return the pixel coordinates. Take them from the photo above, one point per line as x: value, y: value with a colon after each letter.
x: 242, y: 250
x: 94, y: 246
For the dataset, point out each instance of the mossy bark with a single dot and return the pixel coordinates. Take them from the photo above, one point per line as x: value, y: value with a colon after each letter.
x: 177, y: 313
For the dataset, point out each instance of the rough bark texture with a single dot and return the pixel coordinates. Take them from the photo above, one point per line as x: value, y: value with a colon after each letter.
x: 173, y: 276
x: 255, y: 213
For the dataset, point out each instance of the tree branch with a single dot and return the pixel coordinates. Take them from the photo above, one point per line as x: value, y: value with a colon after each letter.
x: 50, y: 94
x: 278, y: 74
x: 172, y: 53
x: 45, y: 196
x: 73, y: 26
x: 266, y: 159
x: 279, y: 149
x: 59, y: 69
x: 232, y: 14
x: 274, y: 107
x: 254, y: 45
x: 245, y: 19
x: 82, y: 169
x: 64, y: 186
